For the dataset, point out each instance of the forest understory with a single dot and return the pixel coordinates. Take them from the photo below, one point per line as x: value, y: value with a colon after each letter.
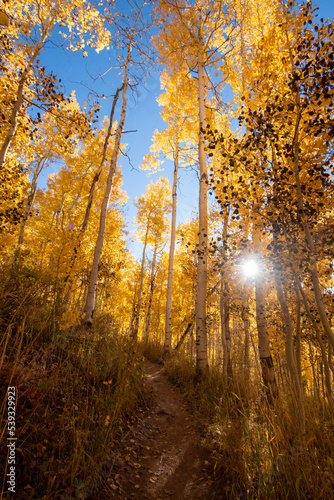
x: 98, y: 420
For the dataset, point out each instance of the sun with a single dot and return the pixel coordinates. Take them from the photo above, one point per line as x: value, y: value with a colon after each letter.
x: 250, y: 268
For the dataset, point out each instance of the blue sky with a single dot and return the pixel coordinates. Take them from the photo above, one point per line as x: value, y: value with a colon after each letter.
x: 142, y: 115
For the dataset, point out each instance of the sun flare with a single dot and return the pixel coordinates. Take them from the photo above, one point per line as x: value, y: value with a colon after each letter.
x: 250, y: 268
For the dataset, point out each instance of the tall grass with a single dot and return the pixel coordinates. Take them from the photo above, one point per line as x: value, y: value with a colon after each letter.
x: 77, y: 393
x: 69, y: 416
x: 259, y: 450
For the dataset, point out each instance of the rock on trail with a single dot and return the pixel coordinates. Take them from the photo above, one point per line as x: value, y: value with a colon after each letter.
x: 161, y: 456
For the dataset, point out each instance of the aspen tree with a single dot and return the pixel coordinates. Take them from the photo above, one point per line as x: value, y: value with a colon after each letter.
x: 287, y: 322
x: 246, y: 321
x: 168, y: 327
x: 51, y: 233
x: 293, y: 122
x: 152, y: 209
x: 300, y: 197
x: 174, y: 142
x: 55, y: 138
x: 201, y: 333
x: 185, y: 271
x: 151, y: 291
x: 91, y: 293
x: 225, y: 307
x: 266, y: 361
x: 189, y: 34
x: 134, y: 333
x: 25, y: 17
x: 232, y: 186
x: 103, y: 159
x: 168, y: 141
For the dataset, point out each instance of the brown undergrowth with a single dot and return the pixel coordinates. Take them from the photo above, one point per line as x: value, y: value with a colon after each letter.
x: 76, y: 393
x: 68, y: 417
x: 259, y: 450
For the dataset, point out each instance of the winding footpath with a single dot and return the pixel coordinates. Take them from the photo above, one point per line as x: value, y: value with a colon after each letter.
x: 161, y: 457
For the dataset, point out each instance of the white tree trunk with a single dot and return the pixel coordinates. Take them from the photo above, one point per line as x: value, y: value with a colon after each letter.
x: 225, y: 330
x: 103, y: 158
x: 267, y: 365
x: 225, y: 309
x: 19, y: 98
x: 136, y: 328
x: 290, y: 351
x: 169, y: 298
x: 30, y: 202
x: 298, y: 334
x: 150, y: 300
x: 57, y: 216
x: 328, y: 382
x: 309, y: 238
x: 246, y: 321
x: 306, y: 227
x: 91, y: 294
x: 187, y: 331
x: 201, y: 334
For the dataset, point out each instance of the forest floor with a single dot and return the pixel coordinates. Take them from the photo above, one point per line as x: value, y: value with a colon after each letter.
x: 161, y: 456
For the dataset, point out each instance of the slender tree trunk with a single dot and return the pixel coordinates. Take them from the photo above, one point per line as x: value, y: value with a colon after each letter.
x: 158, y: 321
x: 30, y: 202
x: 169, y: 298
x: 78, y: 300
x: 313, y: 260
x: 19, y: 97
x: 217, y: 340
x: 103, y: 158
x: 136, y: 328
x: 58, y: 213
x: 328, y: 380
x: 290, y: 351
x: 266, y: 361
x: 303, y: 216
x: 187, y: 331
x: 91, y: 294
x: 327, y: 366
x: 92, y: 189
x: 287, y: 329
x: 290, y: 354
x: 225, y: 330
x: 330, y: 362
x: 92, y: 286
x: 312, y: 361
x: 225, y: 309
x: 201, y: 334
x: 149, y: 312
x: 133, y: 315
x: 298, y: 334
x: 246, y: 322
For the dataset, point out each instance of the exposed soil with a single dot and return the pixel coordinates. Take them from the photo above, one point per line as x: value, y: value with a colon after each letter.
x: 161, y: 457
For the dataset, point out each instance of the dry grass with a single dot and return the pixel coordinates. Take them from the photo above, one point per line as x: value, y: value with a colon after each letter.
x: 70, y: 415
x: 77, y: 394
x: 259, y: 450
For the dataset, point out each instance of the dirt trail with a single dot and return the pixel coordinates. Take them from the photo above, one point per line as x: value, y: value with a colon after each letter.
x: 161, y: 457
